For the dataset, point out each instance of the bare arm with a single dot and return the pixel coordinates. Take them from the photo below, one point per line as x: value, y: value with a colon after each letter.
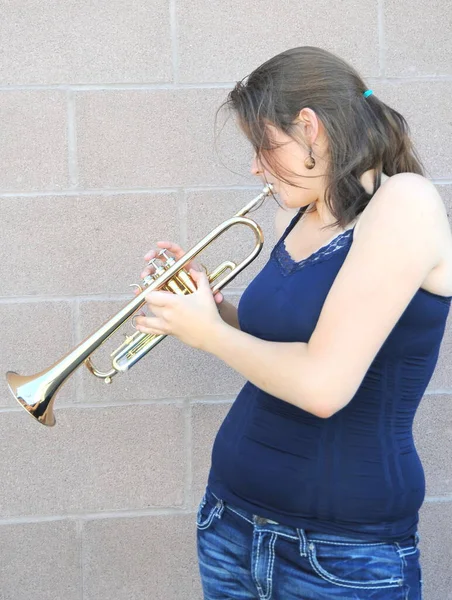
x: 228, y: 313
x: 395, y: 249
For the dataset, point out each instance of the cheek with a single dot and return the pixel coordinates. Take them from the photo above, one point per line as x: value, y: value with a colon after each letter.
x: 293, y: 196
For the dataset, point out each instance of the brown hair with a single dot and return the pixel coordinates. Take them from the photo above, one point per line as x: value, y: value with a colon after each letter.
x: 363, y: 133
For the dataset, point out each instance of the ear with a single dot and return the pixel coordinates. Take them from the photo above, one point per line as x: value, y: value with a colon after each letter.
x: 310, y: 125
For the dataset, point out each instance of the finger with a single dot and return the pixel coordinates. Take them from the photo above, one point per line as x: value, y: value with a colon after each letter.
x: 172, y: 248
x: 152, y: 325
x: 178, y: 253
x: 218, y: 297
x: 201, y: 279
x: 148, y: 269
x: 150, y: 254
x: 161, y: 298
x: 194, y: 265
x: 153, y: 254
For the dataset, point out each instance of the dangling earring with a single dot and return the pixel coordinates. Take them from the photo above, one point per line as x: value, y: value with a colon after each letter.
x: 309, y: 162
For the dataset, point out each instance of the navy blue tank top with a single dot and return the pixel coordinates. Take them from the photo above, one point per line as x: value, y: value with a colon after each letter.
x: 357, y: 472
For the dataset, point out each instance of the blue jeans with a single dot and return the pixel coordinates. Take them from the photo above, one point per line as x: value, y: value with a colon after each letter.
x: 246, y: 557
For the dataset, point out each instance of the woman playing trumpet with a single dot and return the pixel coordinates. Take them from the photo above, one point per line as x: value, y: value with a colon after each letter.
x: 315, y: 483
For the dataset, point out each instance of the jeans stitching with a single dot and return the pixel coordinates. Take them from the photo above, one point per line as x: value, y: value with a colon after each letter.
x: 256, y: 580
x: 302, y: 538
x: 226, y: 505
x: 271, y: 562
x: 216, y: 511
x: 201, y: 505
x: 348, y: 543
x: 220, y: 509
x: 214, y: 495
x: 286, y: 535
x: 387, y: 583
x: 205, y: 524
x: 281, y: 533
x: 399, y: 550
x: 238, y: 514
x: 407, y: 551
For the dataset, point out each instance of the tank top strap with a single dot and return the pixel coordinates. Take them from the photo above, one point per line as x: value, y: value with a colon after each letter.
x: 291, y: 225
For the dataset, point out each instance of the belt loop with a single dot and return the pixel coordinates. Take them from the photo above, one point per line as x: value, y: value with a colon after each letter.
x: 220, y: 508
x: 303, y: 541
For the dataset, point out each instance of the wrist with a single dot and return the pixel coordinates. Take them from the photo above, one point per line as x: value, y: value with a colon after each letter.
x: 214, y: 336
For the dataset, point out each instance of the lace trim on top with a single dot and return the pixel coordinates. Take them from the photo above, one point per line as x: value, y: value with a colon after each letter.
x: 288, y: 264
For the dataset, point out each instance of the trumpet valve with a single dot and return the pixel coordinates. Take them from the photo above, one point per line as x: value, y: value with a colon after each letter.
x: 147, y: 280
x: 159, y: 269
x: 169, y: 260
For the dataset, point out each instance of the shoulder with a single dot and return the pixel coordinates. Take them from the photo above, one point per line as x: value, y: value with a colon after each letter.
x: 407, y: 205
x: 406, y: 191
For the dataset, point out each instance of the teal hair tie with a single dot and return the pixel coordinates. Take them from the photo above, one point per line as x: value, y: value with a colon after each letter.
x: 367, y: 93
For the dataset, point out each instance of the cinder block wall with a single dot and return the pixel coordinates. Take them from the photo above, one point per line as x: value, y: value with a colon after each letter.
x: 107, y: 145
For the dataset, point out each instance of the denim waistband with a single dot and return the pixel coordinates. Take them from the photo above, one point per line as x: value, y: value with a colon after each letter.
x: 304, y: 535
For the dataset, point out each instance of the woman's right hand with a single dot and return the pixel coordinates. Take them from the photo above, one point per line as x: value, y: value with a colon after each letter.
x: 177, y: 253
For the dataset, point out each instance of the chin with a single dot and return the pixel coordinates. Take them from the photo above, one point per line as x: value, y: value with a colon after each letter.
x: 286, y: 202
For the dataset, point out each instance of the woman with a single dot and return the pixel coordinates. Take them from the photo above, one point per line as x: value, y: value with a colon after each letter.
x: 315, y: 483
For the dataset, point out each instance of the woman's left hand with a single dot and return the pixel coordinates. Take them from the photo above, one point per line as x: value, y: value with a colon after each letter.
x: 193, y: 318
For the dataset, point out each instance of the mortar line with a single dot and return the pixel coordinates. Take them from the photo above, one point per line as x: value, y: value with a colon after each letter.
x: 149, y: 512
x: 79, y: 391
x: 96, y: 516
x: 438, y: 499
x: 89, y: 298
x: 381, y: 38
x: 80, y: 533
x: 188, y: 438
x: 88, y: 87
x: 168, y: 190
x: 118, y: 86
x: 177, y: 401
x: 72, y: 141
x: 124, y: 191
x: 174, y: 32
x: 183, y: 219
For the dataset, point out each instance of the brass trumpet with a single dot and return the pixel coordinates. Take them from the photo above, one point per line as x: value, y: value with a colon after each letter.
x: 36, y: 393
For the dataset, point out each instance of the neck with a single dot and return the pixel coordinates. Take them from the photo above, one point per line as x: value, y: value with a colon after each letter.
x: 320, y: 214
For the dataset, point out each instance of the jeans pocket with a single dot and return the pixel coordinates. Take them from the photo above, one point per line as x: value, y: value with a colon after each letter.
x: 410, y: 555
x: 356, y: 565
x: 408, y: 548
x: 209, y: 508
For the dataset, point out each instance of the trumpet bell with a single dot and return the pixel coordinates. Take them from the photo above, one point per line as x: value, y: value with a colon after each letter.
x: 35, y: 394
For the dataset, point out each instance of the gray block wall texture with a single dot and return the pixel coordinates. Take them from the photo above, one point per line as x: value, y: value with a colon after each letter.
x: 107, y: 145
